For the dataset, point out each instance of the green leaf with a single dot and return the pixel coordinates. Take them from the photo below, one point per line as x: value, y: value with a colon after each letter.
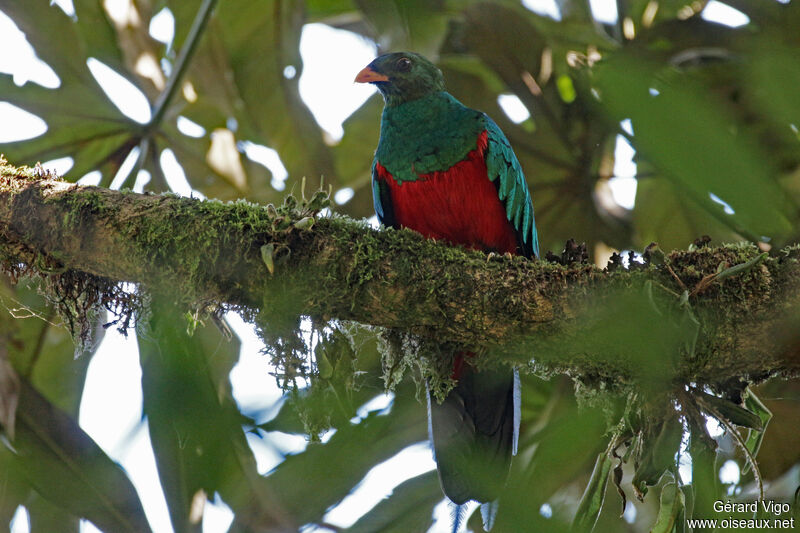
x: 564, y: 449
x: 15, y: 489
x: 742, y: 267
x: 253, y: 46
x: 408, y: 508
x: 692, y: 140
x: 660, y: 444
x: 592, y: 501
x: 195, y: 427
x: 734, y: 413
x: 566, y: 89
x: 94, y: 132
x: 778, y: 77
x: 40, y: 21
x: 45, y: 516
x: 335, y: 467
x: 756, y: 436
x: 45, y: 354
x: 355, y: 151
x: 65, y: 466
x: 417, y: 25
x: 705, y: 481
x: 662, y: 214
x: 9, y: 396
x: 670, y: 509
x: 319, y: 10
x: 193, y: 156
x: 90, y: 129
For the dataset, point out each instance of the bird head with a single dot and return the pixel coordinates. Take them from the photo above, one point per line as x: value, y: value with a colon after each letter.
x: 402, y: 77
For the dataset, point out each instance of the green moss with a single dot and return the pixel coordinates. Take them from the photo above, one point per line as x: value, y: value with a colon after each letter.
x: 211, y: 232
x: 83, y: 203
x: 200, y: 255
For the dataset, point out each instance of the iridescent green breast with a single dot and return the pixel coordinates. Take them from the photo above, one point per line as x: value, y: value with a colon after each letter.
x: 427, y: 135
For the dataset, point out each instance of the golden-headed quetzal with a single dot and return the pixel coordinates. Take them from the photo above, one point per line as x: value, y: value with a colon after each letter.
x: 448, y: 172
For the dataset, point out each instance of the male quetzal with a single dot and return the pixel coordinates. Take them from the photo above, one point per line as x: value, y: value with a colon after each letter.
x: 448, y: 172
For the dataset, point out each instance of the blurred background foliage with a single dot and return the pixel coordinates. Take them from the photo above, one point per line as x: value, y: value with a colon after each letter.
x: 710, y: 110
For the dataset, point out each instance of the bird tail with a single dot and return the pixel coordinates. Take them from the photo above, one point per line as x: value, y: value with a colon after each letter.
x: 488, y: 514
x: 474, y: 432
x: 459, y: 516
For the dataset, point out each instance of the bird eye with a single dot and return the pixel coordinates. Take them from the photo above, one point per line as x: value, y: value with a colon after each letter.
x: 403, y: 64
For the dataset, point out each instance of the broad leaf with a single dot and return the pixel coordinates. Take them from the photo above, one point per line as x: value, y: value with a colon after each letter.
x: 334, y: 468
x: 45, y: 353
x: 671, y: 509
x: 82, y: 122
x: 195, y: 427
x: 409, y: 508
x: 592, y: 501
x: 663, y: 214
x: 564, y: 445
x: 691, y: 139
x: 65, y: 466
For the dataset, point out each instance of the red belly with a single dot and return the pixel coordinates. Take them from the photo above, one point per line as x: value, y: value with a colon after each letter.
x: 459, y: 205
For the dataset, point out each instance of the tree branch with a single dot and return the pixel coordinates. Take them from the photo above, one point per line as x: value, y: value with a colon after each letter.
x: 744, y: 326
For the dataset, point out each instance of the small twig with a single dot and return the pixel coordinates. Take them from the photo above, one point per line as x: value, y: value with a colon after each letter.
x: 703, y: 284
x: 675, y: 276
x: 738, y: 438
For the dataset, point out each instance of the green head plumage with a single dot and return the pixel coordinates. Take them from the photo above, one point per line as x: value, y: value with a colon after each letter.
x: 402, y: 77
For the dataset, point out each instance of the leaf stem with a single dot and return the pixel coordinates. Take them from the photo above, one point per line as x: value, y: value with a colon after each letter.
x: 751, y: 460
x: 182, y: 63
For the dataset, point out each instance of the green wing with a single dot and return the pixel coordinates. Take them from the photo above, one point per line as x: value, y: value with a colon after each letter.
x: 505, y: 171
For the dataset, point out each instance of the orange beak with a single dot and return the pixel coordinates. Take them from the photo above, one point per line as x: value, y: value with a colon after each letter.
x: 367, y: 75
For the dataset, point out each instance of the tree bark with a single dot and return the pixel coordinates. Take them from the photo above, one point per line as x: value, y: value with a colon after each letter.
x: 594, y: 324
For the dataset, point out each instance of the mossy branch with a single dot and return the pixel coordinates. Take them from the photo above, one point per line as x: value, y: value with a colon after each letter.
x: 744, y: 326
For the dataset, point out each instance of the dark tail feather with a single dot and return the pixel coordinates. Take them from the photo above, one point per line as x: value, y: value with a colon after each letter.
x: 459, y: 515
x: 474, y: 433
